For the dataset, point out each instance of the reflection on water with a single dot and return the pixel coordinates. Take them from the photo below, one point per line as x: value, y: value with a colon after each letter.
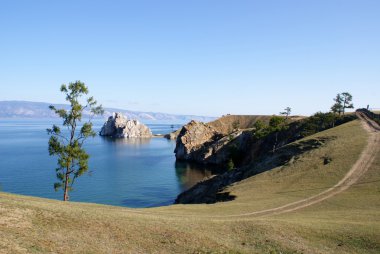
x: 127, y: 141
x: 190, y: 174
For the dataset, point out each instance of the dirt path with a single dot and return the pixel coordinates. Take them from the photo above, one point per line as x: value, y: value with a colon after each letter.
x: 358, y: 169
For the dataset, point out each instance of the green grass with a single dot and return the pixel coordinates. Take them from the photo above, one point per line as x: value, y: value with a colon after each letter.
x: 346, y: 223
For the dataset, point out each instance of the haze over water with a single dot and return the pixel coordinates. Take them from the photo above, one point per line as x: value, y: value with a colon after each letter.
x: 133, y: 173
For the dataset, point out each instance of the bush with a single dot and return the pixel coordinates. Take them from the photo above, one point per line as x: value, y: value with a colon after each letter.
x: 322, y: 121
x: 230, y: 165
x: 276, y: 124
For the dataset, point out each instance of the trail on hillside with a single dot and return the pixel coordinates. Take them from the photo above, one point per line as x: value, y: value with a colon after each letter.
x: 358, y: 169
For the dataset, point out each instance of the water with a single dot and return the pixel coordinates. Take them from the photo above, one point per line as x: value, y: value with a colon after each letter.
x: 133, y: 173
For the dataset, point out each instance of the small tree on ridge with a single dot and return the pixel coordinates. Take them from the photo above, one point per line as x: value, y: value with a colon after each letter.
x: 337, y: 107
x: 286, y: 112
x: 347, y: 101
x: 342, y: 101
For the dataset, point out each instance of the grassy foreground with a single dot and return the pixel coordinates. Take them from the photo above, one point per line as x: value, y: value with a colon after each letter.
x: 346, y: 223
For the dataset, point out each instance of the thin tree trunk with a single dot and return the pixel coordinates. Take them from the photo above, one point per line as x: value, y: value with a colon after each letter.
x: 66, y: 192
x: 344, y: 105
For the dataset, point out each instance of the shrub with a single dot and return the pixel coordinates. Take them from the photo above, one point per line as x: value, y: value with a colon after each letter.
x: 230, y: 165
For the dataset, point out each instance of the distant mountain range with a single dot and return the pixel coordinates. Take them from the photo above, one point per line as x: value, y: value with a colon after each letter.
x: 28, y: 109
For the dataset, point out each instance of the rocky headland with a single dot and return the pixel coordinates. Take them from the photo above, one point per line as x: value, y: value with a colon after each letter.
x: 216, y: 142
x: 202, y: 143
x: 118, y: 126
x: 240, y: 153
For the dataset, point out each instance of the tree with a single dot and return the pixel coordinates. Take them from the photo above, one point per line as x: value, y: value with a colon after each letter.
x: 276, y: 124
x: 260, y: 129
x: 337, y: 107
x: 259, y: 125
x: 68, y: 146
x: 342, y: 101
x: 286, y: 112
x: 347, y: 101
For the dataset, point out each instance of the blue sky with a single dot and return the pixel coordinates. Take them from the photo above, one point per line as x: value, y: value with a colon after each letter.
x: 193, y: 57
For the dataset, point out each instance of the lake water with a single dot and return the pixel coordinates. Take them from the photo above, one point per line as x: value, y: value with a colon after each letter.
x: 123, y: 172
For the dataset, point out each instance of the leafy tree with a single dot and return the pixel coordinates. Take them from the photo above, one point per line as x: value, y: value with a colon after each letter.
x: 347, y: 101
x: 321, y: 121
x: 260, y: 129
x: 276, y: 124
x: 68, y: 146
x: 337, y: 107
x: 259, y: 125
x: 342, y: 101
x: 286, y: 112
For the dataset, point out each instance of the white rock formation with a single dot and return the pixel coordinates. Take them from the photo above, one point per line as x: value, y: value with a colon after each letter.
x: 118, y: 126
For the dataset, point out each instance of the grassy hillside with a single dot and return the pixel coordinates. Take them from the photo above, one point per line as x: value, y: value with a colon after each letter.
x: 345, y: 223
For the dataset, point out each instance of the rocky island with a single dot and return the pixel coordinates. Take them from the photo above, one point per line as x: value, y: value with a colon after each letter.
x: 118, y: 126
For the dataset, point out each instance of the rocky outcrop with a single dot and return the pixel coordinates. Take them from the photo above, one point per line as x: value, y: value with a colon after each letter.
x: 216, y: 142
x: 172, y: 135
x: 192, y: 138
x: 118, y: 126
x: 200, y: 142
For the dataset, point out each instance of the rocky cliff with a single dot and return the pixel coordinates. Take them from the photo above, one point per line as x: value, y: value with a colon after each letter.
x: 118, y: 126
x: 192, y: 138
x: 213, y: 143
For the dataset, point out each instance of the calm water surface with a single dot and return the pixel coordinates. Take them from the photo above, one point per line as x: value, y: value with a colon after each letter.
x: 133, y: 173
